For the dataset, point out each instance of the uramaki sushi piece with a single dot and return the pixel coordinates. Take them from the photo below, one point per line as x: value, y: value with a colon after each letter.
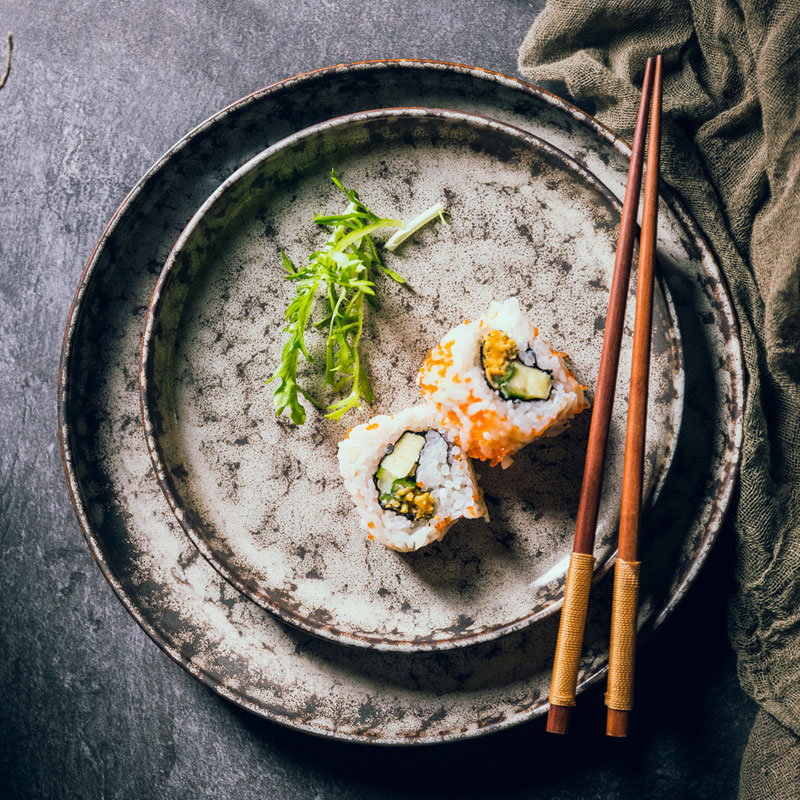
x: 409, y: 481
x: 496, y: 385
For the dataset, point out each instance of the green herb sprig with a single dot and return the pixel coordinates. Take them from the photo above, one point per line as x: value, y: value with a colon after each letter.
x: 341, y: 268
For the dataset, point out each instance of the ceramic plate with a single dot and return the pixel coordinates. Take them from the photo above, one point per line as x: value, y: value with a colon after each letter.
x: 250, y: 656
x: 262, y: 498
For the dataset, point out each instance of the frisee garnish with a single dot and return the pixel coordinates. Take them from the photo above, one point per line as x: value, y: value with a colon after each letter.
x: 341, y: 269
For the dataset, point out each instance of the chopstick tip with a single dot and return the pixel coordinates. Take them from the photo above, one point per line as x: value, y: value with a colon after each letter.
x: 617, y: 723
x: 558, y: 719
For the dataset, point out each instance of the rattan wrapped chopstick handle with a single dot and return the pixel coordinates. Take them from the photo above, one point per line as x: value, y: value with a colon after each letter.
x: 622, y: 650
x: 570, y: 630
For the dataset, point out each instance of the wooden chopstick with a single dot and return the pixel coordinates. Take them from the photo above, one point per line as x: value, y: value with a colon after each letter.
x: 619, y: 697
x: 581, y: 567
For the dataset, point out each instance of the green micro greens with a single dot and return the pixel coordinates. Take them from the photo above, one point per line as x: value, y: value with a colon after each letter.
x: 341, y: 268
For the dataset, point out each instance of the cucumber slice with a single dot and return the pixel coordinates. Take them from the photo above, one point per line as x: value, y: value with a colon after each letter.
x: 527, y: 383
x: 384, y: 479
x: 402, y: 461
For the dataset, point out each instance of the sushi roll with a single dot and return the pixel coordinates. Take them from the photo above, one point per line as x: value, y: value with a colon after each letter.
x: 409, y: 481
x: 496, y: 386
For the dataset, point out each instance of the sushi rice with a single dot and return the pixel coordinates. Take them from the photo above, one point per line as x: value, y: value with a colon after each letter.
x: 443, y: 471
x: 483, y: 422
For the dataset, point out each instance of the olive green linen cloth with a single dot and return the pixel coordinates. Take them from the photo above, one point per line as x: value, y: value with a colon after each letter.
x: 731, y: 150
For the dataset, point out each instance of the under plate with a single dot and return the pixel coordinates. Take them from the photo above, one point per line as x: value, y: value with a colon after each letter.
x: 246, y: 654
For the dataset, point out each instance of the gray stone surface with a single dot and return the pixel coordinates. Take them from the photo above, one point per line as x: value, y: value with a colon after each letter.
x: 91, y: 708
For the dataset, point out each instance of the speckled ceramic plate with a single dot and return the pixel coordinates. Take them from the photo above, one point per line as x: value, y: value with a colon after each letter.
x: 249, y: 655
x: 262, y: 498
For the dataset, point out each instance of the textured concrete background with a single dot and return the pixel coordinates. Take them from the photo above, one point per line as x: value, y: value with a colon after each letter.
x: 90, y: 707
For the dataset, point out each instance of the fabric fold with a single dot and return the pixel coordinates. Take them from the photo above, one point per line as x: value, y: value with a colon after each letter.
x: 731, y: 151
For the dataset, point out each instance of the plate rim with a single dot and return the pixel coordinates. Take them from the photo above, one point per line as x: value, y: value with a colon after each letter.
x: 76, y: 311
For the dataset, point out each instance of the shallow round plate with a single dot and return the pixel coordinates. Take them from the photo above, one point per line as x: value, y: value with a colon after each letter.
x: 262, y: 498
x: 217, y: 635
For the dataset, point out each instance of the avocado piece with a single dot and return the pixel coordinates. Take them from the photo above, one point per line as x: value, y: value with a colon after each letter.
x: 388, y: 485
x: 527, y: 383
x: 403, y: 483
x: 402, y: 461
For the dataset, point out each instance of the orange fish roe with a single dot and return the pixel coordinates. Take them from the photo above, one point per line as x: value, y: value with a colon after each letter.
x: 372, y: 427
x: 484, y: 420
x: 442, y: 523
x: 440, y: 356
x: 471, y: 398
x: 472, y: 510
x: 370, y: 537
x: 503, y: 438
x: 428, y: 388
x: 370, y: 524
